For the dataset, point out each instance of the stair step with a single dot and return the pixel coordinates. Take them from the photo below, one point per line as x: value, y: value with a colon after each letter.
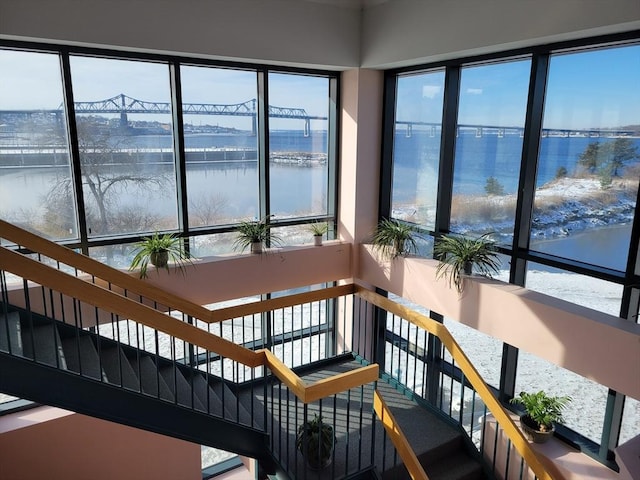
x: 457, y: 466
x: 42, y: 343
x: 10, y: 336
x: 184, y: 393
x: 117, y: 368
x: 81, y: 356
x: 151, y: 380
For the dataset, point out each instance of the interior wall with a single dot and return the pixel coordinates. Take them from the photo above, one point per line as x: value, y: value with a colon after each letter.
x: 405, y: 32
x: 274, y: 31
x: 52, y: 443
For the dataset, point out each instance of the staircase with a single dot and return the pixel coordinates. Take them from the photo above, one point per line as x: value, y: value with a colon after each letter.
x: 439, y: 446
x: 88, y: 373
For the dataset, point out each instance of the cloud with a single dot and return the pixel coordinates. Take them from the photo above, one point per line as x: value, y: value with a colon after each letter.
x: 474, y: 91
x: 430, y: 91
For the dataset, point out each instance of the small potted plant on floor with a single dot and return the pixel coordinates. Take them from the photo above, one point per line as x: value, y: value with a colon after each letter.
x: 158, y: 250
x: 318, y: 229
x: 255, y: 234
x: 459, y: 255
x: 316, y: 441
x: 541, y: 412
x: 395, y: 238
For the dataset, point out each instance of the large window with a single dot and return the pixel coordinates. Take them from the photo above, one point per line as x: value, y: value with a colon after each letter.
x: 155, y: 143
x: 491, y: 115
x: 221, y: 144
x: 589, y: 162
x: 545, y: 154
x: 36, y: 186
x: 416, y: 147
x: 298, y: 144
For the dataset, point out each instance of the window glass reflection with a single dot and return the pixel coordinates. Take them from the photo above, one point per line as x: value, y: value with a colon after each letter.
x: 589, y: 163
x: 36, y: 187
x: 416, y: 147
x: 221, y: 144
x: 298, y: 144
x: 491, y: 116
x: 125, y: 138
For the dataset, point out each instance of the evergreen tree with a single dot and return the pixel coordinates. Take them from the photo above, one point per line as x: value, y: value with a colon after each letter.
x: 493, y: 186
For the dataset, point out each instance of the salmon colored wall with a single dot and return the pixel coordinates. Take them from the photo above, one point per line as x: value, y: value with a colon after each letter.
x: 360, y: 140
x: 55, y: 444
x: 598, y: 346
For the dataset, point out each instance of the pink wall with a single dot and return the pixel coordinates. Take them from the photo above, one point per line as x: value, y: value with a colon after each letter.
x: 598, y: 346
x: 49, y: 443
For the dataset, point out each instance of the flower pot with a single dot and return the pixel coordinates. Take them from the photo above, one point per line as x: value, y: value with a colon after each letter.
x: 159, y: 259
x: 317, y: 240
x: 256, y: 247
x: 530, y: 429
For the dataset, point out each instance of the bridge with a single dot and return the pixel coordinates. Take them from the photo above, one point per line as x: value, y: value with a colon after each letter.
x: 432, y: 129
x: 124, y: 105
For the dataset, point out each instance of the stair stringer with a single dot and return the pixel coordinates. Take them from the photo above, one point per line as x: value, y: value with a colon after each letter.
x: 50, y: 386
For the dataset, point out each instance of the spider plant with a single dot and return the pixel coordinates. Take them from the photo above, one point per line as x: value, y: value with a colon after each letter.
x: 158, y: 250
x: 458, y: 255
x: 254, y: 234
x: 394, y: 238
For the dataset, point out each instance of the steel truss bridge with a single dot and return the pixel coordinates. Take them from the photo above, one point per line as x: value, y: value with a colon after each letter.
x: 124, y: 105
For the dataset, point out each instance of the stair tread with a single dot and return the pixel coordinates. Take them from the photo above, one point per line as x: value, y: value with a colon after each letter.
x: 10, y: 335
x: 81, y: 356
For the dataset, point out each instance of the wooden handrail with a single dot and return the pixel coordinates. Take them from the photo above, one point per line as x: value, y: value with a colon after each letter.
x: 114, y: 302
x: 471, y: 374
x: 408, y: 456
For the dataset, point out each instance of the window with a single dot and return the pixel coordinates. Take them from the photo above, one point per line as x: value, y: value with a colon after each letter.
x: 221, y: 144
x: 589, y: 163
x: 416, y: 147
x: 298, y: 145
x: 123, y: 114
x: 491, y: 115
x: 36, y: 185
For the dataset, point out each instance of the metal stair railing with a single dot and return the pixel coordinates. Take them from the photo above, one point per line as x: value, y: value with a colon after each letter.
x: 516, y: 442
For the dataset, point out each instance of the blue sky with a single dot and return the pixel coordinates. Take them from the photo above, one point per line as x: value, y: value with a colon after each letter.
x: 590, y: 89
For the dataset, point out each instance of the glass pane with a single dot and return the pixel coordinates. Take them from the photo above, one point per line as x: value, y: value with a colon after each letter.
x: 298, y: 144
x: 588, y: 172
x: 630, y: 420
x: 580, y: 289
x: 491, y: 116
x: 221, y: 143
x: 585, y: 413
x: 208, y: 245
x: 36, y: 186
x: 123, y: 113
x: 416, y: 147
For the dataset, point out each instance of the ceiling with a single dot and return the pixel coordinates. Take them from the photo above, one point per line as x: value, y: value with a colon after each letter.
x: 356, y: 4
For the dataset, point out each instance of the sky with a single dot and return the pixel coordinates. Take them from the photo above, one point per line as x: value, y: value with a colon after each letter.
x: 589, y: 89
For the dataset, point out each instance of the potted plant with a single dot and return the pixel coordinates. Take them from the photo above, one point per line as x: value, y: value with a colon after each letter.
x: 541, y: 413
x: 318, y: 229
x: 316, y: 441
x: 458, y: 255
x: 394, y: 238
x: 254, y: 234
x: 158, y: 250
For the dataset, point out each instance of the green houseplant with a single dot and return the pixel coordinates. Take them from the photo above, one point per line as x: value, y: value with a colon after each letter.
x: 158, y: 250
x: 254, y: 234
x: 318, y: 229
x: 458, y: 255
x: 394, y: 238
x: 541, y: 413
x: 316, y: 440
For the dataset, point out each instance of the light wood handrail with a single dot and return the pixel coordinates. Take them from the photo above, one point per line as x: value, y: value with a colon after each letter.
x: 471, y: 374
x: 408, y: 456
x: 114, y: 302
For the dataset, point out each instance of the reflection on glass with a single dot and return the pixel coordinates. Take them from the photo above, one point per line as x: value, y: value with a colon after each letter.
x: 579, y: 289
x: 491, y: 116
x: 126, y: 148
x: 585, y: 414
x: 589, y: 163
x: 36, y: 188
x: 298, y: 144
x: 416, y: 147
x: 208, y: 245
x: 221, y: 144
